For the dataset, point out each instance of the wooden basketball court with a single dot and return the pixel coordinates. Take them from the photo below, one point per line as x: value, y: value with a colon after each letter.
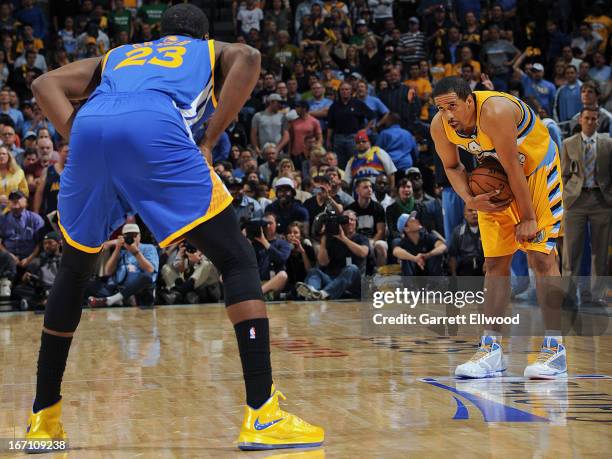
x: 167, y: 383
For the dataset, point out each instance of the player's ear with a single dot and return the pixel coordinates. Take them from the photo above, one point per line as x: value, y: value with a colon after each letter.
x: 206, y: 36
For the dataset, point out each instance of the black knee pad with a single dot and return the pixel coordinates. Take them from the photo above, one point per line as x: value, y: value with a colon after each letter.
x: 65, y: 302
x: 221, y: 240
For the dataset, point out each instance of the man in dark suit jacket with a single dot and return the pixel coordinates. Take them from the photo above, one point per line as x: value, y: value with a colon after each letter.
x: 586, y: 163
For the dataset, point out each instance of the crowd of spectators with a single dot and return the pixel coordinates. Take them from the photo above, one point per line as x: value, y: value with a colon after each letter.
x: 330, y: 163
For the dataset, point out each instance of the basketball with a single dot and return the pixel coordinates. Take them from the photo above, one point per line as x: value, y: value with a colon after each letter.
x: 489, y: 176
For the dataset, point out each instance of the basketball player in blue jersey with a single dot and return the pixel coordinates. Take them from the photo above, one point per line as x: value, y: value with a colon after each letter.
x: 131, y: 147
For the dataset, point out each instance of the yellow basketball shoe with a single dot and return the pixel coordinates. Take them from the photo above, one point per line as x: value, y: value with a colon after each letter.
x: 46, y: 425
x: 269, y: 427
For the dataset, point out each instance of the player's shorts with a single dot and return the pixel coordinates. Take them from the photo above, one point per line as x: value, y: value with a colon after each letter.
x: 132, y: 153
x: 497, y: 229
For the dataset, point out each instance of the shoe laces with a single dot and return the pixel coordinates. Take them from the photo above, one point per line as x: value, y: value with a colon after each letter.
x: 482, y: 350
x: 546, y: 353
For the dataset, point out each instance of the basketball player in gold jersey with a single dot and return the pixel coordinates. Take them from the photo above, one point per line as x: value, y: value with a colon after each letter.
x: 498, y: 125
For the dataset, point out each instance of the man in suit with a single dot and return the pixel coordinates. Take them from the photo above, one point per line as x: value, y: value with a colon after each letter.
x: 586, y: 164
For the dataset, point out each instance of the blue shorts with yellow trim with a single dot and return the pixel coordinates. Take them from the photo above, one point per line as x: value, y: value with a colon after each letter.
x: 133, y: 153
x: 497, y: 229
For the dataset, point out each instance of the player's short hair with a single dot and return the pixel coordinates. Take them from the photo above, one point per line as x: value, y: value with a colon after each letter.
x: 452, y: 84
x: 184, y: 19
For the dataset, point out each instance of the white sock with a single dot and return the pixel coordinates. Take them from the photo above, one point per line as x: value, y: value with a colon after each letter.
x: 114, y: 299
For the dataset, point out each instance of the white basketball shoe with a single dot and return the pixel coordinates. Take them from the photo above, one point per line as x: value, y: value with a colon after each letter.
x: 551, y: 362
x: 487, y: 362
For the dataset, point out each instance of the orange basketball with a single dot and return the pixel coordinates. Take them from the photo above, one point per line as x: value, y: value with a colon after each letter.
x: 489, y: 176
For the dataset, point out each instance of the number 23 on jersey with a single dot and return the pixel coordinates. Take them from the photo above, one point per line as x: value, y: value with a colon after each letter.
x: 164, y: 56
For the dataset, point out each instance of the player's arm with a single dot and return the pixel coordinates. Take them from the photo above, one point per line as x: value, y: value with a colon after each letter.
x: 236, y: 74
x: 55, y: 89
x: 456, y: 173
x: 492, y: 117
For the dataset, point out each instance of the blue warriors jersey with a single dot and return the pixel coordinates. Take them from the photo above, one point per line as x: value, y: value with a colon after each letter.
x: 178, y: 66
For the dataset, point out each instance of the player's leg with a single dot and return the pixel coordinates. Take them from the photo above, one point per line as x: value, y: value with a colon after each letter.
x: 546, y: 190
x: 265, y: 426
x: 83, y: 207
x: 552, y: 361
x: 177, y: 195
x: 488, y: 361
x: 499, y: 244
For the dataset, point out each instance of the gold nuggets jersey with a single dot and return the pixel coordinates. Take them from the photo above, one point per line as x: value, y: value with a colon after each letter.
x: 532, y: 141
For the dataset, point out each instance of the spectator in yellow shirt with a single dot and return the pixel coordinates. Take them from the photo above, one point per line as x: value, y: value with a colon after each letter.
x: 440, y: 65
x: 467, y: 57
x: 12, y: 177
x: 422, y: 86
x: 27, y: 34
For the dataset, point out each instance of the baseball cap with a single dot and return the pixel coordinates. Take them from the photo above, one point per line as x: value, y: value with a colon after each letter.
x: 52, y: 235
x: 356, y: 75
x: 274, y: 97
x: 362, y: 135
x: 414, y: 19
x: 413, y: 170
x: 327, y: 66
x: 538, y: 67
x: 292, y: 115
x: 302, y: 104
x: 284, y: 181
x: 14, y: 195
x: 403, y: 219
x: 361, y: 22
x: 29, y: 134
x: 130, y: 228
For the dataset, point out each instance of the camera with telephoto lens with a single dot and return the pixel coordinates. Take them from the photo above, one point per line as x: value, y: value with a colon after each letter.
x: 332, y: 222
x: 254, y: 227
x: 190, y: 248
x: 129, y: 239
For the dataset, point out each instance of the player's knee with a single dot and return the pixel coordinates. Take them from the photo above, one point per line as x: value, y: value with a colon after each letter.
x: 498, y: 266
x: 541, y: 263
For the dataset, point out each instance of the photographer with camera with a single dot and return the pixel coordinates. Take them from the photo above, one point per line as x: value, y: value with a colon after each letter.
x: 321, y: 199
x: 341, y: 259
x: 189, y: 277
x: 246, y: 207
x: 132, y: 268
x: 40, y: 274
x: 272, y: 253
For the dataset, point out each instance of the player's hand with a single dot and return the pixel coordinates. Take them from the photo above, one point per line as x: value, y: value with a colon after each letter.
x: 526, y: 230
x: 483, y: 202
x: 207, y: 152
